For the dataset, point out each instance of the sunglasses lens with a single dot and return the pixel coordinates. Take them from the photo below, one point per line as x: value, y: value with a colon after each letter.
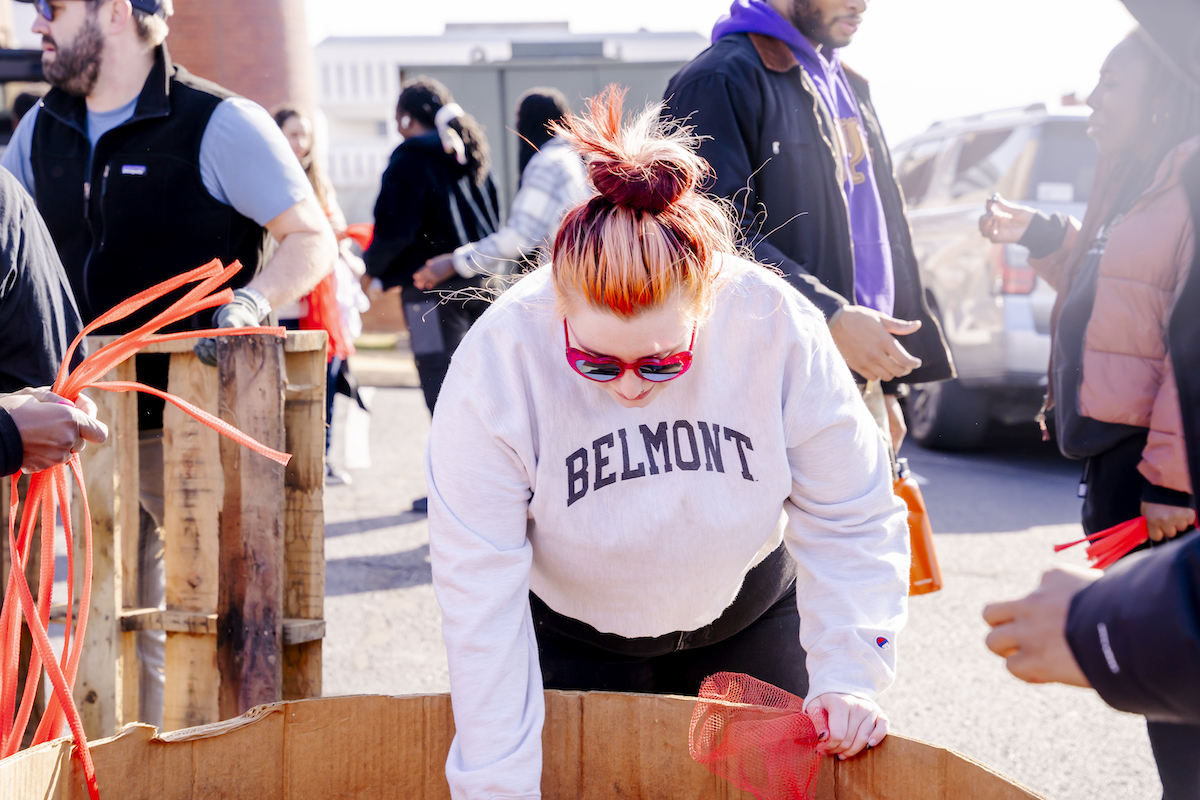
x: 597, y: 370
x: 661, y: 372
x: 44, y: 8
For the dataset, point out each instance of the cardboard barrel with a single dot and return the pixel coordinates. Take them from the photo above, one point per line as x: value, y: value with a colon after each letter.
x: 598, y: 746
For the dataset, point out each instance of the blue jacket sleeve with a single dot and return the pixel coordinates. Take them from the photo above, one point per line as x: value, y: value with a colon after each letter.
x: 1136, y: 633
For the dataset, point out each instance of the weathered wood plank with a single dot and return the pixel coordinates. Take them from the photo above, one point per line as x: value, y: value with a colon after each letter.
x: 303, y: 631
x: 126, y: 514
x: 296, y: 342
x: 304, y: 521
x: 249, y: 609
x: 156, y: 619
x: 97, y: 693
x: 194, y: 488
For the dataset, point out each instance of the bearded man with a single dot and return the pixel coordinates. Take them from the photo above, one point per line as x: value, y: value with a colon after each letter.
x: 795, y: 145
x: 143, y: 172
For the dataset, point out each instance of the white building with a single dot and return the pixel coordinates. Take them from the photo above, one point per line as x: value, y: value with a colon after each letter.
x: 487, y: 67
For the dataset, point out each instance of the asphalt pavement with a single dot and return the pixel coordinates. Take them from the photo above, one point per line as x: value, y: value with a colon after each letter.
x: 996, y: 516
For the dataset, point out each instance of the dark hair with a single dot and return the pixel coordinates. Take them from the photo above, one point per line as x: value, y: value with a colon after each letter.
x: 1172, y: 111
x: 536, y: 110
x: 422, y: 97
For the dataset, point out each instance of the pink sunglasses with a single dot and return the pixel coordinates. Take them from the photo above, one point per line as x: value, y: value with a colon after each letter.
x: 606, y: 368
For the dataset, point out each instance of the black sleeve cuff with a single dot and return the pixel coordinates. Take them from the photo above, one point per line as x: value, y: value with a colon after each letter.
x: 1135, y: 633
x: 1166, y: 497
x: 12, y: 449
x: 1045, y: 234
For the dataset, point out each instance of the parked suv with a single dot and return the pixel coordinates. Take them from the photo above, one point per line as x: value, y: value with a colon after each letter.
x: 994, y: 310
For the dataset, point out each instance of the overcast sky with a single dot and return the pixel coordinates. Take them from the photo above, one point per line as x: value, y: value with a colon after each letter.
x: 926, y: 59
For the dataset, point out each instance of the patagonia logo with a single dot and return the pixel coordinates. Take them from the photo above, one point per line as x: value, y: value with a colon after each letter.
x: 133, y: 169
x: 883, y: 643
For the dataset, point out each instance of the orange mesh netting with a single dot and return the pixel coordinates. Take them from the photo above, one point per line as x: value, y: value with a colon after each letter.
x: 1112, y: 544
x: 757, y: 736
x: 48, y: 492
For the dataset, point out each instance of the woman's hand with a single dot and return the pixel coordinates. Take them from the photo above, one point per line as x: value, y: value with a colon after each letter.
x: 854, y: 723
x: 435, y: 271
x: 1164, y: 522
x: 1004, y: 222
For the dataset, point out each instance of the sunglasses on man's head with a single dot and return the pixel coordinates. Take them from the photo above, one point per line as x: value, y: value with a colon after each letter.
x: 606, y: 368
x: 44, y: 9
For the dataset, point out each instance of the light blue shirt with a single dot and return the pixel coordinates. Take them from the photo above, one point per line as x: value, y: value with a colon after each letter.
x: 245, y: 160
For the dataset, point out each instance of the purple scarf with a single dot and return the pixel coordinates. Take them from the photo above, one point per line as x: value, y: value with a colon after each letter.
x: 874, y: 280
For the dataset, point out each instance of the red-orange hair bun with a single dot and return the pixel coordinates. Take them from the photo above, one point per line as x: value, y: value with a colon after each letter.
x: 650, y: 232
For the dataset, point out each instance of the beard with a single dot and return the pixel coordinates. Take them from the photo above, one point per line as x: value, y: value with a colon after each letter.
x: 76, y: 67
x: 809, y: 20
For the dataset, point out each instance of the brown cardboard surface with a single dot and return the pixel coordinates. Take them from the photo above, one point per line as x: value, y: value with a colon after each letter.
x: 597, y: 745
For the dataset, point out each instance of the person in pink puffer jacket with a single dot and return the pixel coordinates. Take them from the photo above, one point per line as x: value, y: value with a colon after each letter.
x: 1119, y: 275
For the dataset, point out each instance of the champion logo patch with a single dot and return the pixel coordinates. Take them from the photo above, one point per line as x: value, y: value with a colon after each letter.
x: 133, y: 169
x: 883, y: 643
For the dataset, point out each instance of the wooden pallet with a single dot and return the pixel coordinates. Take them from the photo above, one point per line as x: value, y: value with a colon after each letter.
x: 244, y: 538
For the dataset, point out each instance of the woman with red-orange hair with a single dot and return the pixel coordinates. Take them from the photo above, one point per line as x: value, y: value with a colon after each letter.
x: 650, y: 464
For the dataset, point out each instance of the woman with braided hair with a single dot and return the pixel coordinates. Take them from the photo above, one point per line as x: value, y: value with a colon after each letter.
x: 650, y: 464
x: 436, y: 196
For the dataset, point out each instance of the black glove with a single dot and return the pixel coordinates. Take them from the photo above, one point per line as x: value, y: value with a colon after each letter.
x: 247, y: 309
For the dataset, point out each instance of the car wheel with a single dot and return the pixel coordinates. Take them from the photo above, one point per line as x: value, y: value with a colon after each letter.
x: 947, y: 416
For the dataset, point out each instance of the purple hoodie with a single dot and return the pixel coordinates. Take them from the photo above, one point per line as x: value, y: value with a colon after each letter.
x: 874, y: 280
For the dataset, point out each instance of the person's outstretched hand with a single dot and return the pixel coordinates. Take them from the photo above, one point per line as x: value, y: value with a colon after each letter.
x: 867, y: 340
x: 1030, y: 634
x: 1004, y: 222
x: 52, y: 427
x: 436, y: 270
x: 854, y: 724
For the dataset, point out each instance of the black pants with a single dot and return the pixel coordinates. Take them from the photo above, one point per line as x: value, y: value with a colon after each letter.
x: 436, y: 326
x: 1114, y: 495
x: 759, y: 634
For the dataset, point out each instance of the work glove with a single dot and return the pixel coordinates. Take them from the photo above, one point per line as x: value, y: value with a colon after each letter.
x: 248, y: 308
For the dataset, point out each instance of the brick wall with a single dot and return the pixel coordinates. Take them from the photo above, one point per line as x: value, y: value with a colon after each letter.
x: 257, y: 48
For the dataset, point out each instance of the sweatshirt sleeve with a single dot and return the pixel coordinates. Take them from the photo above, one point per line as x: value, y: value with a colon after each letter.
x: 1136, y: 633
x: 479, y: 493
x: 847, y: 529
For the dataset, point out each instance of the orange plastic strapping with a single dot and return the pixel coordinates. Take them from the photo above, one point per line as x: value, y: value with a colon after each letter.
x: 1110, y: 545
x: 48, y: 492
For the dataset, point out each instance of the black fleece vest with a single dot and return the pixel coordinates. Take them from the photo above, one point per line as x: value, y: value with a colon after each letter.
x: 141, y: 214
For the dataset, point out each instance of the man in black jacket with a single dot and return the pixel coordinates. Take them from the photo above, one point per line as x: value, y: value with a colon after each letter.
x: 795, y: 144
x: 38, y: 320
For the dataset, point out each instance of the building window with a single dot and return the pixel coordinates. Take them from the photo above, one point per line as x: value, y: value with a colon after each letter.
x: 368, y: 81
x: 326, y: 86
x: 341, y: 81
x: 354, y: 80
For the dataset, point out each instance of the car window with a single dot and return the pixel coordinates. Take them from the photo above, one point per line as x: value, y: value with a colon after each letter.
x: 988, y: 162
x: 916, y: 172
x: 1065, y: 164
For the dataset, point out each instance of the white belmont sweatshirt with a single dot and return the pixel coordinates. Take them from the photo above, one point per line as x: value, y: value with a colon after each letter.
x: 642, y: 522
